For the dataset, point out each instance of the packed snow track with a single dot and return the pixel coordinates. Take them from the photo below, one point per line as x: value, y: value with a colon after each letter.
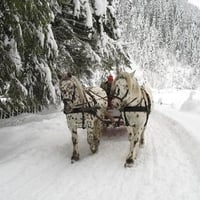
x: 35, y: 163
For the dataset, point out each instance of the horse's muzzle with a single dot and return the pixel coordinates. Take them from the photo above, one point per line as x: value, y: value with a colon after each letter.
x: 67, y: 108
x: 115, y: 103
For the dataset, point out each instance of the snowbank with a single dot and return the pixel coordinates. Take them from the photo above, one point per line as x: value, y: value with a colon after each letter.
x: 184, y: 100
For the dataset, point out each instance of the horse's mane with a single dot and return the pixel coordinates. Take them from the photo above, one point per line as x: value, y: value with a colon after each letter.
x: 132, y: 82
x: 79, y: 87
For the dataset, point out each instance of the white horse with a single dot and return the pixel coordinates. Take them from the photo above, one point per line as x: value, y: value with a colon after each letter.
x: 134, y: 102
x: 84, y: 108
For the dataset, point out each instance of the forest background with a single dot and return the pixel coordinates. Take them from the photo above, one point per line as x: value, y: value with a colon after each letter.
x: 42, y: 38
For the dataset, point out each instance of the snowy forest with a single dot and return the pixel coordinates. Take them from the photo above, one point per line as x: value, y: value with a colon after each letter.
x: 41, y: 39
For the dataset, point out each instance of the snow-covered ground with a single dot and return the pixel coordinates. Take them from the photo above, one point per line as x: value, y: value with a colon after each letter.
x: 35, y: 153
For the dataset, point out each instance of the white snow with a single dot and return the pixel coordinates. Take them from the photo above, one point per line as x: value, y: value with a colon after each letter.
x: 89, y: 22
x: 51, y: 40
x: 77, y: 8
x: 41, y: 36
x: 13, y: 53
x: 100, y: 7
x: 85, y: 5
x: 195, y: 2
x: 23, y: 88
x: 35, y: 153
x: 45, y: 68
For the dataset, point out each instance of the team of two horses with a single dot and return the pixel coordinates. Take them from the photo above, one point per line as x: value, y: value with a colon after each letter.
x: 86, y: 107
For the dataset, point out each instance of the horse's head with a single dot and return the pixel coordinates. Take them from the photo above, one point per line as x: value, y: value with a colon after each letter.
x: 123, y: 89
x: 119, y: 92
x: 70, y: 93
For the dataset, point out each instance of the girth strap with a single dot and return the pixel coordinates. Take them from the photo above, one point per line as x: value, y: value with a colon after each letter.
x: 90, y: 110
x: 135, y: 109
x: 138, y: 108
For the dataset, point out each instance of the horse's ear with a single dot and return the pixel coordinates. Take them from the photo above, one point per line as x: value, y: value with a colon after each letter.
x: 59, y: 75
x: 69, y: 75
x: 66, y: 76
x: 133, y: 73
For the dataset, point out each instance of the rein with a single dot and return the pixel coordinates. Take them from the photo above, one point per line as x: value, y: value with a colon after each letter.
x: 89, y: 91
x: 121, y: 99
x: 86, y: 107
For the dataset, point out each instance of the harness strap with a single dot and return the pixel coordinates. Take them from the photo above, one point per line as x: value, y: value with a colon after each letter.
x: 148, y: 105
x: 133, y: 109
x: 86, y: 107
x: 83, y: 119
x: 92, y: 96
x: 90, y: 110
x: 138, y: 108
x: 90, y: 91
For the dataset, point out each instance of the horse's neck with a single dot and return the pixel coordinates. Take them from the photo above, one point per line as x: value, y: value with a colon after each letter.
x: 134, y: 98
x: 79, y: 100
x: 89, y: 96
x: 84, y: 97
x: 80, y: 97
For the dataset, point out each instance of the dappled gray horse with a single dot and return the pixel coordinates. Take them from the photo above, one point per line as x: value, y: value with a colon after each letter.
x: 134, y: 103
x: 84, y: 108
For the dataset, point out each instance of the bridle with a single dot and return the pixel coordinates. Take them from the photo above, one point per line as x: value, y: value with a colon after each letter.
x: 117, y: 95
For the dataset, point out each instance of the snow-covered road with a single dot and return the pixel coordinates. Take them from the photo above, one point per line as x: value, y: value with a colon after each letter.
x: 35, y: 163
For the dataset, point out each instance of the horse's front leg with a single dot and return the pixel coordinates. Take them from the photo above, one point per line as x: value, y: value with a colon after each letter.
x: 92, y: 140
x: 134, y: 143
x: 73, y: 128
x: 75, y: 154
x: 98, y: 128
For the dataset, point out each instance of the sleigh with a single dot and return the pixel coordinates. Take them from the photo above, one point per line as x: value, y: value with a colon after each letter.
x: 116, y: 121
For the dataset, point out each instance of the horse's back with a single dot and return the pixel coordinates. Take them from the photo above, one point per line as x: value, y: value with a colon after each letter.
x: 100, y: 96
x: 149, y: 93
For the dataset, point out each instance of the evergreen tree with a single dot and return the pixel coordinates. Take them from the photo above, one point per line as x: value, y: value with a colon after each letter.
x: 27, y: 51
x: 161, y: 33
x: 87, y: 34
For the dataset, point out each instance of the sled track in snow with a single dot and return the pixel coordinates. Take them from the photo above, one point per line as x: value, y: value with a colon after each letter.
x: 41, y: 168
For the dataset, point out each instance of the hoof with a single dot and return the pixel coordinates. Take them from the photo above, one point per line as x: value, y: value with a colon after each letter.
x: 129, y: 162
x: 94, y: 149
x: 141, y: 142
x: 141, y: 146
x: 74, y: 158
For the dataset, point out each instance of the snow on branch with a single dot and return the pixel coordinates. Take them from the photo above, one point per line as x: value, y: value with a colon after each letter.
x: 100, y: 7
x: 13, y: 53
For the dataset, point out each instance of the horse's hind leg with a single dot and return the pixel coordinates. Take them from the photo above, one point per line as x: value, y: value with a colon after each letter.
x: 134, y: 144
x: 129, y: 160
x: 91, y: 140
x: 75, y: 154
x: 142, y: 138
x: 98, y: 128
x: 93, y: 134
